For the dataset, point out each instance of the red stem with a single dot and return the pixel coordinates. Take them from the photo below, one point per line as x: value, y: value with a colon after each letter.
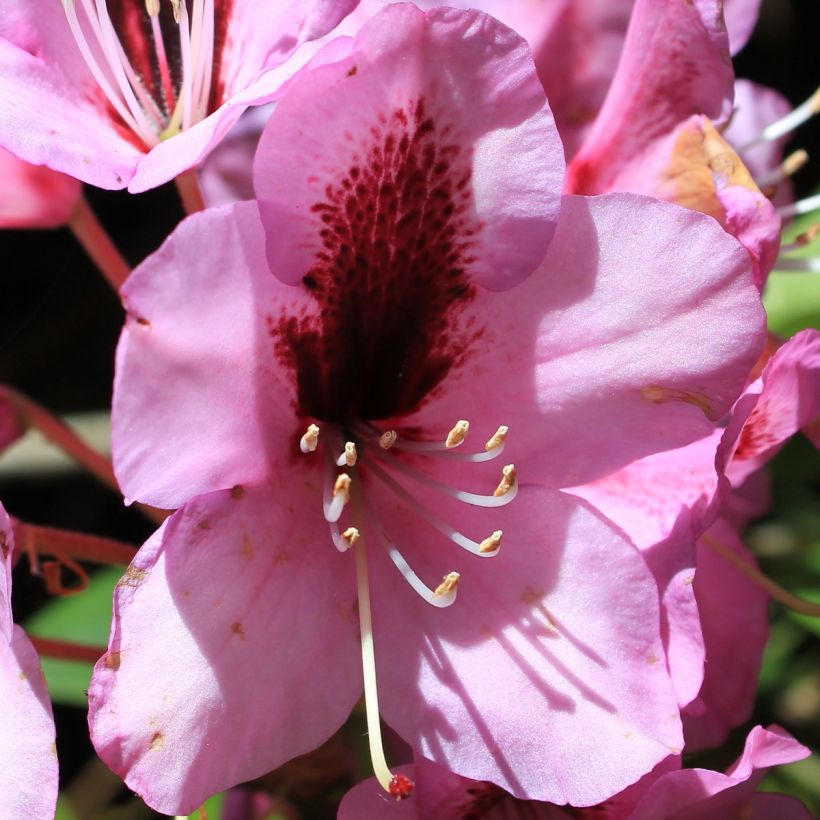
x: 98, y: 245
x: 67, y: 651
x: 77, y: 545
x: 189, y: 191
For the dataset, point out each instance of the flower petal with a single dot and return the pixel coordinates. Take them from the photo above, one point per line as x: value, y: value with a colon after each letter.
x: 490, y: 171
x: 675, y: 64
x: 701, y: 794
x: 635, y: 335
x: 199, y: 402
x: 546, y: 676
x: 234, y: 646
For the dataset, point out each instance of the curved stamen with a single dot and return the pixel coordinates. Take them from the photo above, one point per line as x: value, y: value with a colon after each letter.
x: 475, y: 499
x: 389, y: 439
x: 431, y: 518
x: 444, y: 594
x: 788, y: 168
x: 340, y: 497
x: 310, y: 440
x: 779, y: 128
x: 348, y: 457
x: 802, y: 206
x: 343, y: 541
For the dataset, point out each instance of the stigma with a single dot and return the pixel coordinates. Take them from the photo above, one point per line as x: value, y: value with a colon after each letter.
x: 154, y: 95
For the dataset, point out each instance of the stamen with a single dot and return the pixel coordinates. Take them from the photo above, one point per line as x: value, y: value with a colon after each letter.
x: 430, y: 517
x: 457, y: 435
x: 398, y: 788
x: 351, y: 536
x: 508, y: 481
x: 765, y: 583
x: 492, y: 544
x: 162, y: 57
x: 802, y: 206
x: 477, y: 500
x: 805, y: 111
x: 498, y: 438
x: 310, y: 440
x: 388, y: 439
x: 443, y: 595
x: 342, y: 541
x: 175, y: 4
x: 348, y: 456
x: 448, y: 585
x: 789, y: 167
x: 152, y: 7
x: 808, y: 264
x: 806, y: 238
x: 341, y: 495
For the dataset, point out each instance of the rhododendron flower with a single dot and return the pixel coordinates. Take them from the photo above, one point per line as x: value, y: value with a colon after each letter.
x: 133, y: 93
x: 286, y: 414
x: 28, y: 760
x: 34, y: 196
x: 649, y: 141
x: 667, y: 792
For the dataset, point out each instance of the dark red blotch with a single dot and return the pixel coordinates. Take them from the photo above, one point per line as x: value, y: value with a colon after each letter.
x: 395, y: 241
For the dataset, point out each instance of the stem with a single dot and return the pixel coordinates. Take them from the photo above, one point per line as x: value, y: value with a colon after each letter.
x: 62, y: 436
x: 189, y: 191
x: 63, y: 543
x: 67, y: 651
x: 754, y: 574
x: 98, y: 245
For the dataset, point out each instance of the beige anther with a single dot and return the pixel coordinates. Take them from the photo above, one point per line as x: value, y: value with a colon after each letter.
x: 176, y: 6
x: 351, y: 535
x: 498, y: 438
x: 152, y: 7
x: 348, y: 457
x: 342, y: 486
x: 491, y: 543
x: 388, y: 439
x: 448, y: 584
x: 814, y: 102
x: 457, y: 434
x: 507, y: 480
x: 794, y: 162
x: 308, y: 442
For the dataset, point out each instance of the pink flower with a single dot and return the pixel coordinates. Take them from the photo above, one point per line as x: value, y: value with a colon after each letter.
x: 648, y: 140
x: 28, y: 759
x: 667, y: 792
x: 131, y: 95
x: 234, y: 645
x: 34, y: 196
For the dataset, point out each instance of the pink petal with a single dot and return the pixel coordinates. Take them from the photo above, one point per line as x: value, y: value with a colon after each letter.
x: 28, y: 758
x: 765, y: 805
x: 34, y: 196
x: 789, y: 398
x: 277, y: 51
x: 701, y: 794
x: 199, y: 402
x: 734, y: 619
x: 234, y: 646
x: 628, y: 353
x: 407, y: 76
x: 546, y: 676
x: 679, y: 47
x: 741, y: 17
x: 75, y: 134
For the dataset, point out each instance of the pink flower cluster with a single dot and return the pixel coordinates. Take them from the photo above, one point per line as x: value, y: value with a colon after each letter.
x: 459, y: 396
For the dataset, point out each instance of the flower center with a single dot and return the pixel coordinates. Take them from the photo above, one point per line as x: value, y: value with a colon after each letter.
x: 153, y: 61
x: 379, y: 453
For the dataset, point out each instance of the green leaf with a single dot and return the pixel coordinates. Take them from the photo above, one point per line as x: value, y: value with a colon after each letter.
x: 84, y: 618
